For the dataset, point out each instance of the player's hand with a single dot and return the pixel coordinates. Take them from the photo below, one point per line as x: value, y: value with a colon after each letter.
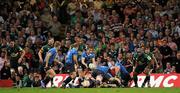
x: 76, y: 67
x: 19, y: 60
x: 86, y: 66
x: 157, y: 67
x: 46, y: 68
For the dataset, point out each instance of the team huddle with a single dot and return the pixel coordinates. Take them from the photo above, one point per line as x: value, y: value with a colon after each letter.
x: 85, y: 70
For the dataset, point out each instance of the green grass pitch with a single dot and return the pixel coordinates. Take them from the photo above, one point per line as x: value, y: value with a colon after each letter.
x: 90, y: 90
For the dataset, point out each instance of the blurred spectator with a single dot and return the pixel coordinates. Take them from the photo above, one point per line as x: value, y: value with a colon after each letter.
x: 166, y: 52
x: 3, y: 59
x: 5, y: 71
x: 37, y: 80
x: 28, y: 80
x: 46, y: 17
x: 55, y: 28
x: 128, y: 63
x: 176, y: 62
x: 169, y: 69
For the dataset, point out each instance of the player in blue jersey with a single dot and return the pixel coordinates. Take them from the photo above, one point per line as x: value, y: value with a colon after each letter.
x: 42, y: 52
x: 103, y: 74
x: 87, y: 57
x: 124, y: 74
x: 49, y: 60
x: 71, y: 61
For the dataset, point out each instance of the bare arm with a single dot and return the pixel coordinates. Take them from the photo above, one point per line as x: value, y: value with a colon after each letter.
x: 23, y: 53
x: 40, y: 54
x: 154, y: 58
x: 136, y: 63
x: 75, y: 59
x: 83, y: 61
x: 93, y: 60
x: 6, y: 57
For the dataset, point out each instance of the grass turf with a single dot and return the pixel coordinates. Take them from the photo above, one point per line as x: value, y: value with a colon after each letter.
x: 91, y: 90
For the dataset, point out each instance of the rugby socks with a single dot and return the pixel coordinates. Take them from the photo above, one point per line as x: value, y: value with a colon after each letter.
x: 46, y: 80
x: 66, y: 82
x: 17, y: 83
x: 147, y: 79
x: 52, y: 84
x: 135, y: 78
x: 127, y: 79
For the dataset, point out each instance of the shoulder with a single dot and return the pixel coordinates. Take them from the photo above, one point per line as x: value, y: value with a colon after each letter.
x: 74, y: 50
x: 45, y: 46
x: 18, y: 47
x: 83, y: 53
x: 52, y: 50
x: 92, y: 54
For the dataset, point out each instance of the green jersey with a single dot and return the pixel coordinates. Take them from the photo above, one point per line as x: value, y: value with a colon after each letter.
x: 149, y: 54
x: 45, y: 49
x: 14, y: 52
x: 142, y: 59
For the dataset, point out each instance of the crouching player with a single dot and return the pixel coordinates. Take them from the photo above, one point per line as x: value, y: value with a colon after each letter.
x: 124, y: 74
x: 119, y: 70
x: 87, y: 57
x: 102, y: 75
x: 49, y: 59
x: 143, y: 63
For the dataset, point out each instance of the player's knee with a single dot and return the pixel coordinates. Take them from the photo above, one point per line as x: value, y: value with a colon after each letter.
x: 146, y: 73
x: 51, y: 73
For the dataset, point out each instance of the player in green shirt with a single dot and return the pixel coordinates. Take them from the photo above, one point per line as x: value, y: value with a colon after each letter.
x: 15, y: 53
x: 42, y: 54
x: 149, y: 55
x: 143, y: 63
x: 45, y: 49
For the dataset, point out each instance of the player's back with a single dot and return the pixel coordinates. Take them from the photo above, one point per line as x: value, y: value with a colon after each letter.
x: 88, y: 57
x: 70, y: 54
x: 104, y: 69
x: 53, y: 55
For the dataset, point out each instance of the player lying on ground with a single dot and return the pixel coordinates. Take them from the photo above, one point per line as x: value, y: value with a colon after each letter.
x: 99, y: 77
x: 119, y: 70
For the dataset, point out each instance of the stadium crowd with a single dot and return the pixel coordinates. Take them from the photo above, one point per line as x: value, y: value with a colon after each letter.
x: 104, y: 32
